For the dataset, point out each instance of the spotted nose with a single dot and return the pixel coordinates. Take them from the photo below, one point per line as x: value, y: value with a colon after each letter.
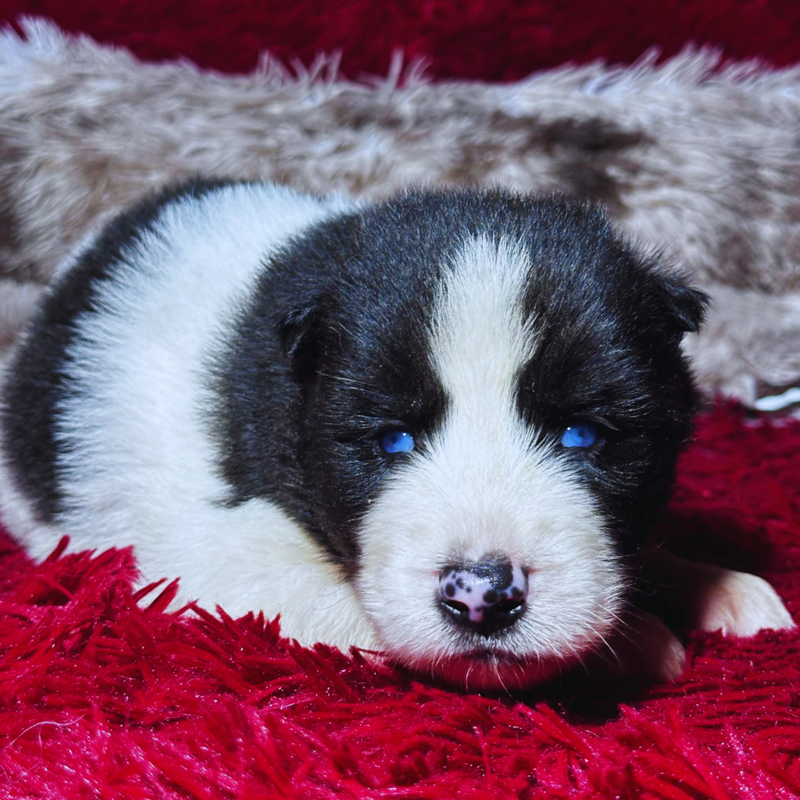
x: 484, y: 596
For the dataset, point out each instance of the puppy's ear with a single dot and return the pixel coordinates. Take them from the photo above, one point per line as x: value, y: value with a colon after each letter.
x: 312, y: 264
x: 686, y: 306
x: 301, y: 334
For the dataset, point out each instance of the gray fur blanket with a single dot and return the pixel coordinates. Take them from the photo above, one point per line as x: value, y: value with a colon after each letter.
x: 693, y: 158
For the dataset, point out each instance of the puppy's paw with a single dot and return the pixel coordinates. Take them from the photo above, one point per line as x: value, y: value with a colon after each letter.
x: 737, y: 604
x: 704, y: 597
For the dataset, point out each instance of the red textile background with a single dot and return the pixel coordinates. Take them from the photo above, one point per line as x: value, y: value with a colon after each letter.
x: 102, y: 694
x: 475, y: 39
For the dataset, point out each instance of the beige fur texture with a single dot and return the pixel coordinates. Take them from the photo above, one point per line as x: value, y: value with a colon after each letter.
x: 693, y: 158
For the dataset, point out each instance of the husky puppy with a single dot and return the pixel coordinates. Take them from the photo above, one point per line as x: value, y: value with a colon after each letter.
x: 439, y: 426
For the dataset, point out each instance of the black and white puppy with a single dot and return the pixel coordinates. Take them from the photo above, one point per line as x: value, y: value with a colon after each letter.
x: 438, y: 426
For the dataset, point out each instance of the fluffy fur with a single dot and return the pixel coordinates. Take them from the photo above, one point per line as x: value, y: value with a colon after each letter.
x: 209, y: 379
x: 694, y: 160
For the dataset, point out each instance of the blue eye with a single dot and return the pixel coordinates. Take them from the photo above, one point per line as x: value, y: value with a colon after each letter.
x: 582, y: 434
x: 397, y: 441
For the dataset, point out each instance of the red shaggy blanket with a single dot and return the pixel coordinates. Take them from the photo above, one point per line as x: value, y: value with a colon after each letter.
x: 103, y: 694
x: 474, y: 39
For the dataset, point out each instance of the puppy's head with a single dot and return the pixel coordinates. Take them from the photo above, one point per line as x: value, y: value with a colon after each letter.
x: 492, y: 402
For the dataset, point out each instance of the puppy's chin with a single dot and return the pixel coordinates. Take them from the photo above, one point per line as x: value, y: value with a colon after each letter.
x: 491, y: 670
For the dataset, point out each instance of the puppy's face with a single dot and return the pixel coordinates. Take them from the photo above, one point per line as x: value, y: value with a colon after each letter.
x: 491, y: 418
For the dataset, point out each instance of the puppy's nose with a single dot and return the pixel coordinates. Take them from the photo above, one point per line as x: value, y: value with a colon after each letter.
x: 484, y: 596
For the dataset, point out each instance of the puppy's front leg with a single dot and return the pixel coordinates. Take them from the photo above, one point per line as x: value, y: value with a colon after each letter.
x: 704, y: 597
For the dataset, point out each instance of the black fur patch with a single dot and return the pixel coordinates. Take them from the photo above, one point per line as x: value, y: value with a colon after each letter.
x: 332, y: 351
x: 609, y: 328
x: 39, y: 373
x: 335, y: 346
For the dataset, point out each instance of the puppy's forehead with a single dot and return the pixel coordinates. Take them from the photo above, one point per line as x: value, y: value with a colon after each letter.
x: 481, y: 335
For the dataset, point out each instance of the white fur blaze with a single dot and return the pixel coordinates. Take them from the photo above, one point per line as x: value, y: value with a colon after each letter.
x: 483, y: 486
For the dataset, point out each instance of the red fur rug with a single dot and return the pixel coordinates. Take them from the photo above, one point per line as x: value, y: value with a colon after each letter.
x: 103, y: 694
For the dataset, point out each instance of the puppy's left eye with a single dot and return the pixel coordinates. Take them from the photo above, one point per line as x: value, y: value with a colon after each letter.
x: 580, y: 435
x: 396, y: 441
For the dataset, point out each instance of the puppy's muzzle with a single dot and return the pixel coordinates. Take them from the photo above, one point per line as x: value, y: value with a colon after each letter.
x: 485, y: 596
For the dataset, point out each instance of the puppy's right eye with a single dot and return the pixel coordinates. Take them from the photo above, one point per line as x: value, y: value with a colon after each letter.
x: 396, y: 440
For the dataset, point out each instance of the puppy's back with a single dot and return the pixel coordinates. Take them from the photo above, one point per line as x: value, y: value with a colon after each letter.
x: 113, y: 370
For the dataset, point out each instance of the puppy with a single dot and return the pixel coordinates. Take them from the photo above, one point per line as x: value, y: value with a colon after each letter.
x: 440, y: 426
